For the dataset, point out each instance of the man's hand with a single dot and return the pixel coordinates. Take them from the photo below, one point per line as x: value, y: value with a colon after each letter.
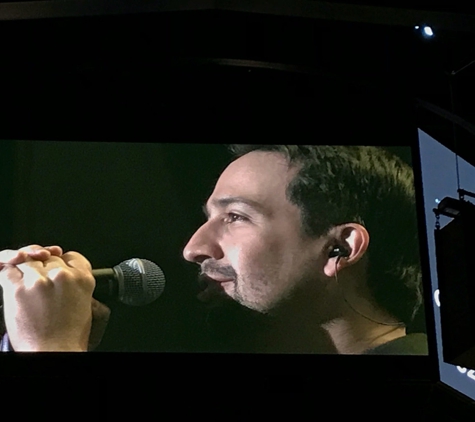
x: 48, y: 303
x: 32, y: 252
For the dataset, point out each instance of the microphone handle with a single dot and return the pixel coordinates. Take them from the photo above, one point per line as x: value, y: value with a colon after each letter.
x: 107, y: 285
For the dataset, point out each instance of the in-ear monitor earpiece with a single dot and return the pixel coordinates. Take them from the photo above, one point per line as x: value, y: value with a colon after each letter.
x: 339, y: 251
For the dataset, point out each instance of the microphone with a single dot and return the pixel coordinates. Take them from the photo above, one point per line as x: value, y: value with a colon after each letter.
x: 134, y: 282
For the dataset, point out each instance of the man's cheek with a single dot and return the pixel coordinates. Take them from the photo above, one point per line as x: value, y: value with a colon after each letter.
x: 235, y: 255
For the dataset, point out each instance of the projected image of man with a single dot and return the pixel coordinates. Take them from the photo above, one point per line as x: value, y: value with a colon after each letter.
x: 320, y: 240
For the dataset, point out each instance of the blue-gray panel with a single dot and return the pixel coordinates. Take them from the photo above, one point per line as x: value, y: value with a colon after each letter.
x: 439, y: 179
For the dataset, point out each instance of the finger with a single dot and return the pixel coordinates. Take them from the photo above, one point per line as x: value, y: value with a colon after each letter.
x: 32, y: 248
x: 54, y: 250
x: 43, y: 254
x: 54, y: 269
x: 33, y: 251
x: 46, y: 275
x: 37, y: 252
x: 76, y: 260
x: 10, y: 256
x: 37, y: 249
x: 9, y: 276
x: 30, y: 271
x: 55, y: 266
x: 33, y: 273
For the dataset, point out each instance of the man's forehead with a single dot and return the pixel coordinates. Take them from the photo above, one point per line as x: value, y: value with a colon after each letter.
x: 258, y: 157
x: 258, y: 176
x: 259, y: 166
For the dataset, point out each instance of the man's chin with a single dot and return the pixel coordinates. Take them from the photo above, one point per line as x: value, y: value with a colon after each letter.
x: 213, y: 296
x: 233, y: 327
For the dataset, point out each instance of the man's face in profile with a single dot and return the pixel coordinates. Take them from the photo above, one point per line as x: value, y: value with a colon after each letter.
x: 251, y: 249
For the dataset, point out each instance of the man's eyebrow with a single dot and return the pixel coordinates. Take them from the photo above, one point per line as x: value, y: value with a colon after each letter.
x: 229, y: 200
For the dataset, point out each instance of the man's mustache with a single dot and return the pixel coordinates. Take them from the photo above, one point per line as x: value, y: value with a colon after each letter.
x: 211, y: 267
x: 212, y: 289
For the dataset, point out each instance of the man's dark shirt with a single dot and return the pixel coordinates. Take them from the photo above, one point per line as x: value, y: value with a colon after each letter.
x: 411, y: 344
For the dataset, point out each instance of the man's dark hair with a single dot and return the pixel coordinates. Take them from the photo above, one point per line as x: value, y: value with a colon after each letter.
x: 367, y: 185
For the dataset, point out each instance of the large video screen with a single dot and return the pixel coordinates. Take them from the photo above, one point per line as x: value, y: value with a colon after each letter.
x: 439, y: 177
x: 293, y: 249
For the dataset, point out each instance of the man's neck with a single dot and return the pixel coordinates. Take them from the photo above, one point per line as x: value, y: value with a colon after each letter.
x: 359, y: 324
x: 294, y: 331
x: 356, y: 335
x: 294, y: 337
x: 351, y: 335
x: 353, y: 329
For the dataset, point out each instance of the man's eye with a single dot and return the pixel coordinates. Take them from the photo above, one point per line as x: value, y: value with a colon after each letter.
x: 232, y: 218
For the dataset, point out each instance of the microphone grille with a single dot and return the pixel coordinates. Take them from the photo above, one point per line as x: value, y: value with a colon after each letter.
x: 143, y: 282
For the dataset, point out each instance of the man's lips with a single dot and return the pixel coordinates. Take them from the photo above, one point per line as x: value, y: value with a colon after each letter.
x: 220, y: 280
x: 208, y: 278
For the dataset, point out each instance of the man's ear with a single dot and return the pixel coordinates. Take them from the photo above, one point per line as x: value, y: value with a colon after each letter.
x: 352, y: 241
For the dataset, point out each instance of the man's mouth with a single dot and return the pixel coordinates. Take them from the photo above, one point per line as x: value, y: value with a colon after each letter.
x: 206, y: 279
x: 219, y: 279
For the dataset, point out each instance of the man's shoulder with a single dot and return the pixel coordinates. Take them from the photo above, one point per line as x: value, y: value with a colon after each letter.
x: 411, y: 344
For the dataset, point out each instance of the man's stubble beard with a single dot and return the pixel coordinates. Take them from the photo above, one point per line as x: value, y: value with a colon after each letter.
x: 236, y: 320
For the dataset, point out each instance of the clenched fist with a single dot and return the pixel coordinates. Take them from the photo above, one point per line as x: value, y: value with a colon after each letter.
x: 48, y: 304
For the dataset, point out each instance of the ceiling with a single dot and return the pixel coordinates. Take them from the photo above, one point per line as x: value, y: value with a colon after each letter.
x: 429, y: 64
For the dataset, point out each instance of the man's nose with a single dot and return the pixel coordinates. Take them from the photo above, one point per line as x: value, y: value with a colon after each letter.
x: 203, y: 245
